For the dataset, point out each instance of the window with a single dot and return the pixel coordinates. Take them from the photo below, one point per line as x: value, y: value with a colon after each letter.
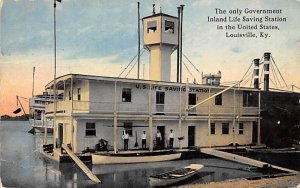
x: 128, y: 127
x: 160, y: 97
x: 192, y: 98
x: 126, y: 95
x: 225, y: 128
x: 70, y: 97
x: 90, y: 129
x: 169, y: 27
x: 250, y: 99
x: 212, y: 128
x: 241, y: 128
x: 79, y: 94
x: 151, y: 26
x: 218, y: 99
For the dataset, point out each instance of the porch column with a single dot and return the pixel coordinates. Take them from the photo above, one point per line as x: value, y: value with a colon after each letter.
x: 234, y: 119
x: 209, y: 120
x: 180, y: 114
x: 150, y: 120
x: 115, y: 121
x: 71, y: 116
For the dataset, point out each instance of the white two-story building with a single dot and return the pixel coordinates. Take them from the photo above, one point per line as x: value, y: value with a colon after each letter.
x: 95, y: 107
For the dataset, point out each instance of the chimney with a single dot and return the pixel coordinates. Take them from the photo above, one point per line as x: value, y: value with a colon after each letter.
x: 267, y: 56
x: 256, y: 73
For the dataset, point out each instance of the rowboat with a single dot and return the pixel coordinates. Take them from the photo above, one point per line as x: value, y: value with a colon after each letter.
x: 175, y: 176
x: 134, y: 157
x: 275, y: 151
x: 297, y: 146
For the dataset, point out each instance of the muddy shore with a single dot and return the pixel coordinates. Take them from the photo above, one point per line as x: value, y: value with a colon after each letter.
x: 286, y: 181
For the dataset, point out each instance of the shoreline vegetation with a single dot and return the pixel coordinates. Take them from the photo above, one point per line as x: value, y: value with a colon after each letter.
x: 14, y: 118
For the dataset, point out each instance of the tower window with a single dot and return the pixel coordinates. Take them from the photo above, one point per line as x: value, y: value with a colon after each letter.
x: 151, y: 26
x: 169, y: 27
x: 218, y: 99
x: 126, y: 95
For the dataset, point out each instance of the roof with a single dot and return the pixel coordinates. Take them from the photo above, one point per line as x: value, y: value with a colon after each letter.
x: 160, y: 14
x: 67, y: 78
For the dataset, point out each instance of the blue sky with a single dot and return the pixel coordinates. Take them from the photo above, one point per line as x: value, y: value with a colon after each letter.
x: 99, y: 37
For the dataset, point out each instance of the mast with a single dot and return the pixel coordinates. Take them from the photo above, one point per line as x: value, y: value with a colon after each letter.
x: 139, y: 41
x: 54, y: 75
x: 178, y: 48
x: 181, y: 20
x: 33, y: 72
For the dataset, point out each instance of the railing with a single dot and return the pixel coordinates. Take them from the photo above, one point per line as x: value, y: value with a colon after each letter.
x: 41, y: 123
x: 143, y: 108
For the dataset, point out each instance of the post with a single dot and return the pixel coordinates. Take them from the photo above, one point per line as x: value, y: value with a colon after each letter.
x: 150, y: 120
x: 258, y: 124
x: 71, y: 116
x: 139, y: 42
x: 209, y: 119
x: 54, y: 78
x: 234, y: 120
x: 178, y: 47
x: 179, y: 123
x: 115, y: 121
x: 181, y: 42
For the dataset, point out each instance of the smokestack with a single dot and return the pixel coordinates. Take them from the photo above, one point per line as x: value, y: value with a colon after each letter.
x: 267, y: 56
x: 153, y: 7
x: 256, y: 73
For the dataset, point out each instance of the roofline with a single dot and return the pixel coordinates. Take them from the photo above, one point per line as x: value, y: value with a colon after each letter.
x: 138, y: 81
x: 159, y: 14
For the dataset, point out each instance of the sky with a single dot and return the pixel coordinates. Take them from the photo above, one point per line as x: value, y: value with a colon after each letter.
x: 99, y: 37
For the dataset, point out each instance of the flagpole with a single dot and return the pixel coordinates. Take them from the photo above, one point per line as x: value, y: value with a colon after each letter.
x: 54, y: 76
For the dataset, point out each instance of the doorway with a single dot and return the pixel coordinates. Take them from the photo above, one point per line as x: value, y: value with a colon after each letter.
x: 254, y: 132
x: 60, y: 135
x: 162, y: 132
x: 191, y: 136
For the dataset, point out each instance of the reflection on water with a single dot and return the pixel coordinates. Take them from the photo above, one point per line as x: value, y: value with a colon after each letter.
x: 22, y: 166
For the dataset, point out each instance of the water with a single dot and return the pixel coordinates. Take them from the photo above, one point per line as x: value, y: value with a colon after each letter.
x: 22, y: 166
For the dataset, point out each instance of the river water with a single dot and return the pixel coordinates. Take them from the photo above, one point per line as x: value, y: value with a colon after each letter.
x: 21, y: 165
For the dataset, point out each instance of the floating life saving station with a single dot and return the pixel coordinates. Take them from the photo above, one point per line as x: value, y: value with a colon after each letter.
x: 93, y: 107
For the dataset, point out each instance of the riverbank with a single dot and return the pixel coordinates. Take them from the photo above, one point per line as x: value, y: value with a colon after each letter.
x: 286, y: 181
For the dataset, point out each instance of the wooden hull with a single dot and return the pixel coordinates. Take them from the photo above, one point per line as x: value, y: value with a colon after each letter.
x: 146, y: 157
x: 175, y: 176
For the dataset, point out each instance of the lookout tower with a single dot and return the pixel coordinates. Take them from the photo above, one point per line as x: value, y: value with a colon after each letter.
x: 160, y: 39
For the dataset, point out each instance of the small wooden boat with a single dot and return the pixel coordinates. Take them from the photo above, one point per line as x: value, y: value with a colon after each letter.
x: 134, y: 157
x: 297, y: 146
x: 175, y: 176
x: 274, y: 151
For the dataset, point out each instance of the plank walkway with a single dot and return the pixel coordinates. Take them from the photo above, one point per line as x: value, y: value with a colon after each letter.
x: 241, y: 159
x: 83, y: 167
